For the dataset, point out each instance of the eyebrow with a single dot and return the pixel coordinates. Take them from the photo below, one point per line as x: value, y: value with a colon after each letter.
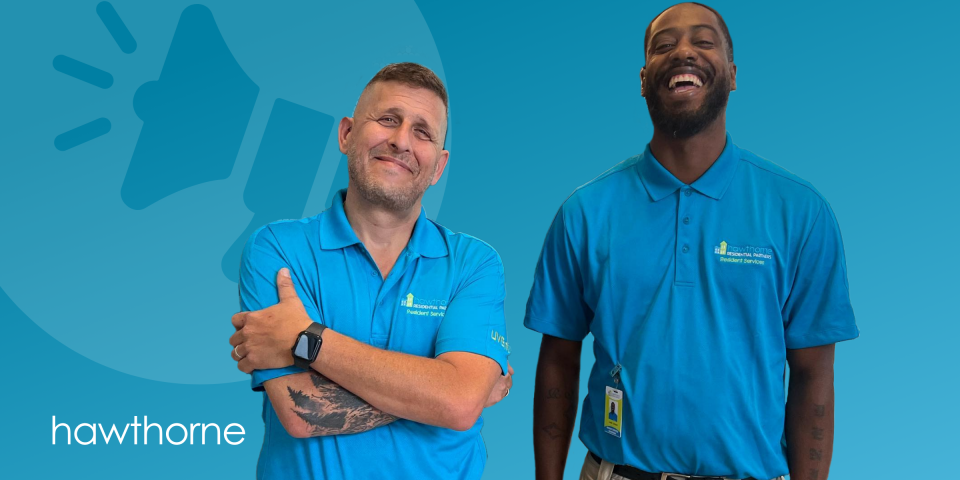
x: 701, y: 26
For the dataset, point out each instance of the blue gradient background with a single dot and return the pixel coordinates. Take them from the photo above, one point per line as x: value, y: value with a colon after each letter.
x: 857, y: 100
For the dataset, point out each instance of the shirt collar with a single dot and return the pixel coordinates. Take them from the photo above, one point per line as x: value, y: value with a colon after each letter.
x: 426, y: 240
x: 336, y: 232
x: 660, y: 183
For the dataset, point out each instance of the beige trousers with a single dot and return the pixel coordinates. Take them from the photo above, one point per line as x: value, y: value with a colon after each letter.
x: 597, y: 471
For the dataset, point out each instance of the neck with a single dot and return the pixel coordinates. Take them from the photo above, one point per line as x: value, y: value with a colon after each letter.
x: 381, y: 230
x: 688, y: 158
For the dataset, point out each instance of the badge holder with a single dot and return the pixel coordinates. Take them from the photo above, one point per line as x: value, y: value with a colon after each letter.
x: 613, y: 401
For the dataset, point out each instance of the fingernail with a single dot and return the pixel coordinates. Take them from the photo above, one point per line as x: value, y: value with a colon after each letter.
x: 285, y: 272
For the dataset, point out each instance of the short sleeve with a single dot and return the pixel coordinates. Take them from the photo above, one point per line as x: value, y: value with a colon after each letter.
x: 556, y: 305
x: 474, y: 320
x: 818, y: 311
x: 259, y: 264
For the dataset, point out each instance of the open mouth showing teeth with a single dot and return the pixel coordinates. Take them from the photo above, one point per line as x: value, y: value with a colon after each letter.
x: 685, y: 81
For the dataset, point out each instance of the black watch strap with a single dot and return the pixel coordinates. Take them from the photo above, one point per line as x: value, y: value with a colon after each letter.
x: 307, y: 346
x: 316, y: 328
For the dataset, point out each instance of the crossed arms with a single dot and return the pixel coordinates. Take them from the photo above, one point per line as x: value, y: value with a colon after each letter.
x: 311, y: 405
x: 355, y: 387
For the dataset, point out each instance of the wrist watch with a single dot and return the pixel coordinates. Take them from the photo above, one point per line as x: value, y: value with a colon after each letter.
x: 307, y: 346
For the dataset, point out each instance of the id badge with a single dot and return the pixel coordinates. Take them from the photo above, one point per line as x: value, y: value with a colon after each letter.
x: 613, y: 416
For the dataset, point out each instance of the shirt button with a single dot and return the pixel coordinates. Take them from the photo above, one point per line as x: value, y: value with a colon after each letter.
x: 686, y: 220
x: 688, y: 192
x: 373, y: 274
x: 685, y: 249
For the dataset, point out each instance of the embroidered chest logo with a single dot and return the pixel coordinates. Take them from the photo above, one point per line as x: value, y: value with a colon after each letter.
x: 423, y: 307
x: 743, y: 254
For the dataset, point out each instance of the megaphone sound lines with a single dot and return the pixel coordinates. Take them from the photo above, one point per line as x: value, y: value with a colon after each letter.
x: 83, y: 72
x: 119, y: 32
x: 94, y: 76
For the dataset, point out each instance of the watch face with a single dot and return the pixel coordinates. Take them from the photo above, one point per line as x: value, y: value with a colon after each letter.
x: 303, y: 349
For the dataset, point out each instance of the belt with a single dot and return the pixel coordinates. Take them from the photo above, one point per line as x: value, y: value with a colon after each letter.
x: 632, y: 473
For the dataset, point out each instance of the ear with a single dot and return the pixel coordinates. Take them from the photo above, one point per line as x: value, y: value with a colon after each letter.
x: 441, y: 165
x: 346, y: 126
x: 643, y: 81
x: 733, y: 76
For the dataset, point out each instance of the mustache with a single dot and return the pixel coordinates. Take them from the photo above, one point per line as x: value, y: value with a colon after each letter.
x: 404, y: 158
x: 666, y: 74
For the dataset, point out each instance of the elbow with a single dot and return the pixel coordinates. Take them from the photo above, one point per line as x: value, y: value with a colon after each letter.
x: 462, y: 414
x: 298, y: 432
x: 812, y: 374
x: 295, y: 426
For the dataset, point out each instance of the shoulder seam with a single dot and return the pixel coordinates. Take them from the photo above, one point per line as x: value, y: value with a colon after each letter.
x: 618, y: 168
x: 798, y: 181
x: 467, y: 235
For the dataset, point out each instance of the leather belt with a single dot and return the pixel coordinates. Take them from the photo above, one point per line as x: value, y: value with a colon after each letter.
x: 633, y: 473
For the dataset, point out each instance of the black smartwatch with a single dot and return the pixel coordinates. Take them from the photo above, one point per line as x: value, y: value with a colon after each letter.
x: 307, y: 346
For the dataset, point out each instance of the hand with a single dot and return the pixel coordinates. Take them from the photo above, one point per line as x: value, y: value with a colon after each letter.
x: 264, y: 338
x: 501, y: 389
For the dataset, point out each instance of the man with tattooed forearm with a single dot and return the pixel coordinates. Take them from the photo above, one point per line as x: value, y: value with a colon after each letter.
x: 702, y: 272
x: 377, y: 334
x: 809, y: 423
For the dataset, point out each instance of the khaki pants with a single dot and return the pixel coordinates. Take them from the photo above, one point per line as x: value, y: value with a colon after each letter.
x: 604, y: 471
x: 597, y: 471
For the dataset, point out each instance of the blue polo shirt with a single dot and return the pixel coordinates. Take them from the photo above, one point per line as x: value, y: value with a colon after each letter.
x: 695, y: 292
x: 444, y: 294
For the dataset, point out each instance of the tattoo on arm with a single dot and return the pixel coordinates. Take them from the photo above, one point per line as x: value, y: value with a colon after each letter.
x: 331, y: 410
x: 555, y: 430
x: 816, y: 454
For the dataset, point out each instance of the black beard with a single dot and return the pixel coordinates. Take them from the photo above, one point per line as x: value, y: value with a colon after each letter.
x: 688, y: 124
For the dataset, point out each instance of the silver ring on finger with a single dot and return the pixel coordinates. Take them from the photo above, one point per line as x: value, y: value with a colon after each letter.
x: 237, y: 353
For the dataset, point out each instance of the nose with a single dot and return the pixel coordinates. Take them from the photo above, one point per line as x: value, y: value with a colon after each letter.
x: 684, y: 52
x: 400, y: 138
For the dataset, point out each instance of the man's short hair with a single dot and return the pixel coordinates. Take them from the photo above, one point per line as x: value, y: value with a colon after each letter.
x: 411, y: 75
x: 723, y: 29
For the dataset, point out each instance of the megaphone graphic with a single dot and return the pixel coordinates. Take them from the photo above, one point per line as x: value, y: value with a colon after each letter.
x: 194, y: 116
x: 283, y: 171
x: 194, y: 120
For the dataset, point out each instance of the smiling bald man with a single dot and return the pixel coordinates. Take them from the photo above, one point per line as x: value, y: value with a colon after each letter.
x: 702, y: 271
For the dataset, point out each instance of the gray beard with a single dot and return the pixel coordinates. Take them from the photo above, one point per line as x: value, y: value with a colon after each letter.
x: 395, y: 200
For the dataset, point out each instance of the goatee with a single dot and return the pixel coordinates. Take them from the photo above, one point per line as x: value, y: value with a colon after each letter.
x: 397, y: 199
x: 685, y: 124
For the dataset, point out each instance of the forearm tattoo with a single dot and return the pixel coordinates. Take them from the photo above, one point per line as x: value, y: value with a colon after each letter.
x: 569, y: 398
x: 329, y: 409
x: 816, y: 453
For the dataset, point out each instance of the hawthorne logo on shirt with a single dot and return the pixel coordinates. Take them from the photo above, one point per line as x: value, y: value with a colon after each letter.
x: 423, y: 307
x: 747, y: 255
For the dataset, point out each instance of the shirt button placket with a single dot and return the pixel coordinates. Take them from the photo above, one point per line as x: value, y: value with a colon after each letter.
x: 684, y: 256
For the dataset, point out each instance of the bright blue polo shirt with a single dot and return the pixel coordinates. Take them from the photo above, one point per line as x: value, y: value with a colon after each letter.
x: 695, y: 292
x: 444, y: 294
